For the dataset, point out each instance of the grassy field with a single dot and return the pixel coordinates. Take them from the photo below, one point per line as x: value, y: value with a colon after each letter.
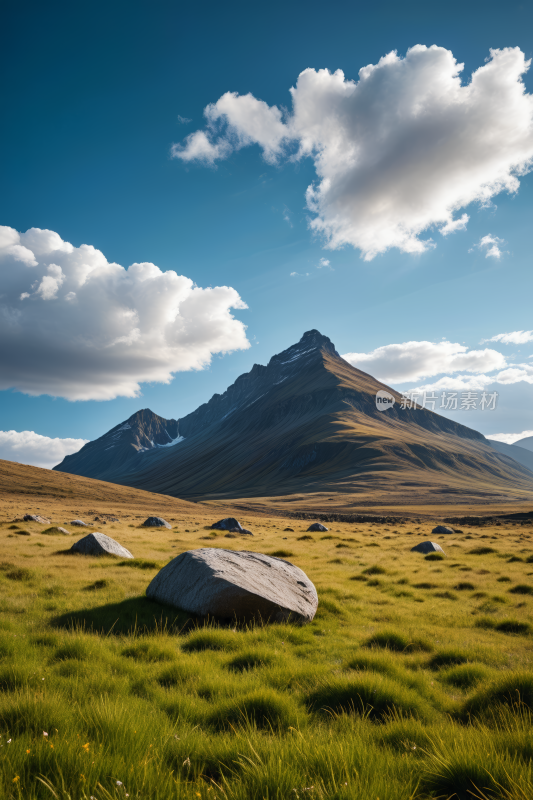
x: 415, y: 679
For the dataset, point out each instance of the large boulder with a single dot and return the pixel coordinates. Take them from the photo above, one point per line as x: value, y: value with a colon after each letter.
x: 317, y: 526
x: 442, y: 529
x: 156, y: 522
x: 231, y: 525
x: 36, y: 518
x: 98, y: 544
x: 229, y: 584
x: 427, y: 547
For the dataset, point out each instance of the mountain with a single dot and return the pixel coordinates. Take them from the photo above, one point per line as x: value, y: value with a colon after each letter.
x: 526, y: 443
x: 520, y: 454
x: 308, y: 423
x: 116, y: 450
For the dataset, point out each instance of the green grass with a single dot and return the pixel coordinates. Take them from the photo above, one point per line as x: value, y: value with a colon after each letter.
x: 388, y: 693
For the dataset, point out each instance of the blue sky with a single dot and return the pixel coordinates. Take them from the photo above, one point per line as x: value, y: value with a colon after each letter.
x: 95, y: 98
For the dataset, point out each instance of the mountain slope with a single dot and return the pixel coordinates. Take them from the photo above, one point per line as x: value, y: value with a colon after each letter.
x: 526, y: 443
x: 308, y: 423
x: 519, y: 453
x: 112, y: 453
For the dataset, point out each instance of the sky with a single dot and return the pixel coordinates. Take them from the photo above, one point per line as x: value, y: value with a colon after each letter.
x: 186, y: 190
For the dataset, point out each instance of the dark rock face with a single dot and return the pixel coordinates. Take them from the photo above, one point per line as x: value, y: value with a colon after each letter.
x: 156, y: 522
x: 98, y: 544
x: 317, y: 526
x: 36, y: 518
x: 427, y: 547
x: 442, y: 529
x: 226, y: 584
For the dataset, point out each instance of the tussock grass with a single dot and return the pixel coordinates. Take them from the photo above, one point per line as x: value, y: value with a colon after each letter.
x: 388, y: 693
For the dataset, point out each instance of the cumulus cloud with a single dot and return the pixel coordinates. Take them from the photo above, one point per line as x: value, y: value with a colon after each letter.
x: 509, y: 438
x: 522, y: 373
x: 490, y: 244
x: 324, y: 263
x: 515, y: 337
x: 74, y: 325
x: 397, y: 152
x: 183, y: 120
x: 28, y: 447
x: 412, y: 361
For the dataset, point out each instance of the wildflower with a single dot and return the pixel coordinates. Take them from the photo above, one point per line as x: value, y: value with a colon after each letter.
x: 86, y: 747
x: 16, y: 778
x: 27, y: 751
x: 119, y: 783
x: 51, y: 746
x: 9, y: 741
x: 44, y: 733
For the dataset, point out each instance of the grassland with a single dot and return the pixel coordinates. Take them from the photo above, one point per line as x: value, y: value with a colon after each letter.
x: 415, y: 679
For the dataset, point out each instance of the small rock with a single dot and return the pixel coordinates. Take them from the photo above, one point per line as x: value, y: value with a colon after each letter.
x: 36, y: 518
x: 98, y: 544
x: 79, y: 523
x: 228, y: 524
x: 427, y: 547
x: 442, y: 529
x: 317, y: 526
x: 230, y: 584
x: 156, y: 522
x: 22, y: 533
x: 64, y: 531
x: 285, y: 530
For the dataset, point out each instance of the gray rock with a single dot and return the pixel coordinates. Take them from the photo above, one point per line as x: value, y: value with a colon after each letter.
x: 36, y: 518
x: 427, y: 547
x: 64, y: 532
x: 98, y: 544
x: 317, y: 526
x: 79, y: 523
x: 442, y: 529
x: 156, y: 522
x: 228, y: 524
x: 229, y: 584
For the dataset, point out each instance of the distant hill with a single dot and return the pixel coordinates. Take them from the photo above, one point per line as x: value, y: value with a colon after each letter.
x: 308, y: 423
x: 526, y: 443
x: 520, y: 454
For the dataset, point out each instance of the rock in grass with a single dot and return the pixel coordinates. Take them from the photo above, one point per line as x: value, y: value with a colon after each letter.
x: 317, y: 526
x: 98, y: 544
x: 53, y: 530
x: 231, y: 525
x: 442, y: 529
x: 79, y: 523
x: 156, y: 522
x: 36, y: 518
x: 427, y: 547
x: 227, y: 584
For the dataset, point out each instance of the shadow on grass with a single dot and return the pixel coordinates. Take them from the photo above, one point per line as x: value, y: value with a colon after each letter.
x: 135, y: 615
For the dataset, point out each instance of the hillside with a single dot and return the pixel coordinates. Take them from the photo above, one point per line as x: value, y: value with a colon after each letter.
x: 307, y: 423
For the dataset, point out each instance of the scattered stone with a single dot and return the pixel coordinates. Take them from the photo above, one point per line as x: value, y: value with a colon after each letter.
x: 98, y: 544
x: 285, y: 530
x: 442, y: 529
x: 317, y: 526
x: 156, y: 522
x: 36, y: 518
x: 229, y: 584
x: 427, y: 547
x: 231, y: 525
x: 79, y: 523
x: 54, y: 530
x: 22, y: 533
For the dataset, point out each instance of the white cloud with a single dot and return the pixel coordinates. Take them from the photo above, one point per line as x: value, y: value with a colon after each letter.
x: 183, y: 120
x: 299, y: 274
x: 324, y: 263
x: 515, y: 374
x: 411, y: 361
x: 397, y: 152
x: 74, y: 325
x: 491, y: 245
x: 522, y: 373
x: 455, y: 225
x: 515, y: 337
x: 27, y: 447
x: 509, y: 438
